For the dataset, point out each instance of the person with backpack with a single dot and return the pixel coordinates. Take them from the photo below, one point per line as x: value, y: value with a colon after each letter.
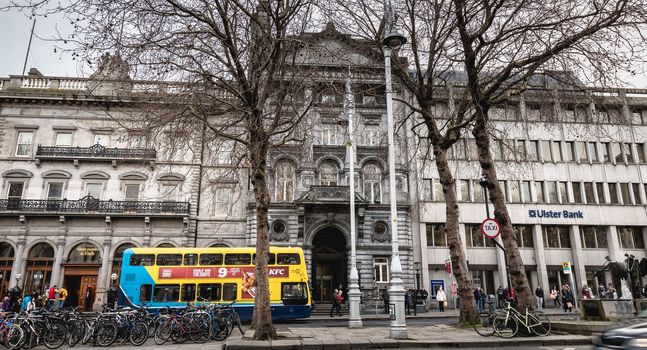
x: 62, y: 296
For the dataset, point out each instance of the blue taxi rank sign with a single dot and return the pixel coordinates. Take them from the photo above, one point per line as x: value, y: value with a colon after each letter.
x: 490, y: 228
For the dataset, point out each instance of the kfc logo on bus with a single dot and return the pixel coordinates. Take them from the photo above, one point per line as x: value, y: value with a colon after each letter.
x: 278, y: 272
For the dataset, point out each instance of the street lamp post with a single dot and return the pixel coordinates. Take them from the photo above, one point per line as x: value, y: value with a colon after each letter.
x: 391, y: 42
x: 354, y: 294
x: 416, y: 266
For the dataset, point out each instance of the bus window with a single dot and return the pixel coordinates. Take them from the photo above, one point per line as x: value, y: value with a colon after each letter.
x: 169, y: 259
x: 238, y: 259
x: 229, y: 291
x: 294, y: 293
x: 288, y: 259
x: 190, y: 259
x: 166, y: 292
x: 271, y: 261
x: 210, y: 292
x: 188, y: 292
x: 142, y: 260
x: 145, y: 293
x: 210, y: 259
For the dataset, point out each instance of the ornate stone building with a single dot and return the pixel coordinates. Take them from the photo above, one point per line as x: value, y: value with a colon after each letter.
x: 78, y: 187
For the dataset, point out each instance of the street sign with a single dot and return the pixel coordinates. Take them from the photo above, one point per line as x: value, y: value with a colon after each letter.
x: 490, y: 228
x: 566, y: 266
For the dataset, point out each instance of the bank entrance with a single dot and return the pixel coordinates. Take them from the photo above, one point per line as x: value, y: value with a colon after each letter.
x: 81, y: 273
x: 328, y: 263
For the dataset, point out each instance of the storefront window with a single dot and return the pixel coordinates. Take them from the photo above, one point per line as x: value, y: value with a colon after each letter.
x: 39, y: 267
x: 6, y: 261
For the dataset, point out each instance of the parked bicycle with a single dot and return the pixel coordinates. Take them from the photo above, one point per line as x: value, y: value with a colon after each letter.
x: 506, y: 323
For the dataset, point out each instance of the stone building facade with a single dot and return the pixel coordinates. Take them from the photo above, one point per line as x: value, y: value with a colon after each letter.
x: 78, y: 187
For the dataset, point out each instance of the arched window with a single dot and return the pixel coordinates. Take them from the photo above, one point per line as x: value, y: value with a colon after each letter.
x: 219, y: 245
x: 84, y: 253
x: 116, y: 262
x: 6, y: 261
x: 41, y: 251
x: 166, y: 245
x: 39, y: 267
x: 328, y: 174
x: 285, y: 174
x: 372, y: 179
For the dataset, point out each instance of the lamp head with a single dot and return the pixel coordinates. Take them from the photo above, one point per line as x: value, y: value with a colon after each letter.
x: 607, y: 258
x: 394, y: 40
x: 114, y: 276
x: 416, y: 266
x: 358, y: 264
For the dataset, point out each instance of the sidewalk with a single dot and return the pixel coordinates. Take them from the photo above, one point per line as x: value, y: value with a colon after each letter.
x: 449, y: 313
x: 437, y: 336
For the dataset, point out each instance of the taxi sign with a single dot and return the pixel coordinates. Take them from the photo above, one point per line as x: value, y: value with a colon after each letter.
x: 566, y: 266
x: 490, y: 228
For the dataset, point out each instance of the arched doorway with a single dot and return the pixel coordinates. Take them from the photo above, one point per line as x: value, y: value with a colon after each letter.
x: 117, y: 258
x: 38, y: 271
x: 81, y: 272
x: 328, y: 263
x: 6, y: 261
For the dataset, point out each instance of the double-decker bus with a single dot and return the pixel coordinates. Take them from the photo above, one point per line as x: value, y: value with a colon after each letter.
x: 161, y: 277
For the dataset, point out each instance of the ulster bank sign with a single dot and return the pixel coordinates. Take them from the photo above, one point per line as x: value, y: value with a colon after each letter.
x: 555, y: 214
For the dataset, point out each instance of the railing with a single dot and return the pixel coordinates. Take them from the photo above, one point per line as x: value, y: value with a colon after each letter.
x: 96, y: 152
x: 90, y: 205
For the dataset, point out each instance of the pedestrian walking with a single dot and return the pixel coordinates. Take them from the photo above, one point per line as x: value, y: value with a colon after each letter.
x: 6, y: 304
x: 385, y: 298
x: 62, y: 296
x: 539, y: 297
x: 51, y: 297
x: 554, y: 294
x: 500, y: 297
x: 336, y: 302
x: 479, y: 298
x: 567, y: 298
x: 407, y: 302
x: 442, y: 299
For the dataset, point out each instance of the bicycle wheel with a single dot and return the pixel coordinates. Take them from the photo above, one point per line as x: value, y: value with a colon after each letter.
x: 75, y: 330
x: 505, y: 325
x: 237, y: 322
x: 138, y: 333
x: 14, y: 338
x: 539, y: 323
x: 200, y: 330
x: 219, y: 330
x: 484, y: 324
x: 55, y: 335
x: 106, y: 333
x: 163, y: 332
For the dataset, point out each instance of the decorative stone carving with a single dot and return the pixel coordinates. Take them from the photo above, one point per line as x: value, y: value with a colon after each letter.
x: 279, y: 231
x: 112, y: 76
x: 380, y: 232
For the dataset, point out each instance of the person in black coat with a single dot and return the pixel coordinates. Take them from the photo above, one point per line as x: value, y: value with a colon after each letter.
x: 385, y: 297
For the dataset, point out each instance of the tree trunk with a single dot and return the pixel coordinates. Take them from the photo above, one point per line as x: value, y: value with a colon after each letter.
x: 516, y: 269
x: 262, y: 317
x: 457, y: 254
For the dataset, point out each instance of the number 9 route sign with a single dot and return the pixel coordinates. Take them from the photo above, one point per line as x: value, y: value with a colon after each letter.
x: 490, y: 228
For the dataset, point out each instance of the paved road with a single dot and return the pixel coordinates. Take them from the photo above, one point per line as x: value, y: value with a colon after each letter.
x: 562, y: 347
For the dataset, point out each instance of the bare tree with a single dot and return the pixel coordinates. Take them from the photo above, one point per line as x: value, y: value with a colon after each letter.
x: 506, y: 43
x: 431, y: 28
x: 236, y: 62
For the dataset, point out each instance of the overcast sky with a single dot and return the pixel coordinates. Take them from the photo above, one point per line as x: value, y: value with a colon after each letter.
x: 14, y: 38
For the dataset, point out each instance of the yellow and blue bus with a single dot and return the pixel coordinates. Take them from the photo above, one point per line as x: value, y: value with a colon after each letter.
x: 161, y: 277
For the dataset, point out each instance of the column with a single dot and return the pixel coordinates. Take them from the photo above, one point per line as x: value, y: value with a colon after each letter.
x: 57, y: 276
x: 17, y: 267
x: 540, y: 259
x: 104, y: 275
x: 615, y: 254
x: 578, y: 258
x: 424, y: 258
x: 500, y: 259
